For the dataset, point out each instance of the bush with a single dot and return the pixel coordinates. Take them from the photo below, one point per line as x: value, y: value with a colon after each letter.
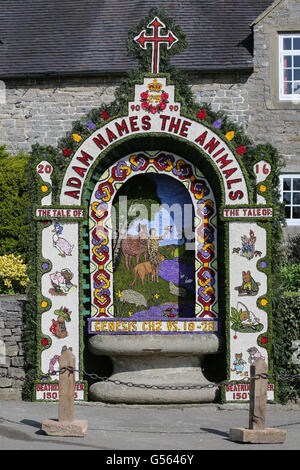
x: 291, y: 277
x: 13, y: 277
x: 293, y: 248
x: 286, y: 321
x: 14, y: 201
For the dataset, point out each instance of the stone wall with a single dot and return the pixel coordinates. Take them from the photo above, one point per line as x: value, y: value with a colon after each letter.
x: 12, y: 346
x: 43, y: 110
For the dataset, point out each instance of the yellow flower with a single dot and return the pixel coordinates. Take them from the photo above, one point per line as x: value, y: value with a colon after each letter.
x: 263, y: 188
x: 156, y: 296
x: 76, y: 137
x: 229, y: 135
x: 12, y: 272
x: 119, y: 293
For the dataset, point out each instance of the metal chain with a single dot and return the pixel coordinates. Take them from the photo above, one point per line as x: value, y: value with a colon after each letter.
x: 95, y: 377
x: 184, y: 387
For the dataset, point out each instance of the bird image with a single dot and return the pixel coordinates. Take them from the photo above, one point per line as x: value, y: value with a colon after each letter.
x: 62, y: 245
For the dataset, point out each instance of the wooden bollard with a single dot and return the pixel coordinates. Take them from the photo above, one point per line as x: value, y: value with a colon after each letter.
x: 66, y: 386
x: 257, y: 432
x: 258, y: 394
x: 66, y: 425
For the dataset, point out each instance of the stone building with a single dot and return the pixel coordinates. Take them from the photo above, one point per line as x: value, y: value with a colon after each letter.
x: 59, y: 60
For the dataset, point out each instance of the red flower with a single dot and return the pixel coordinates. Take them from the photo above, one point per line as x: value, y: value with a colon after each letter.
x: 153, y: 109
x: 164, y: 96
x: 67, y: 152
x: 162, y: 105
x: 240, y: 150
x: 104, y: 115
x: 201, y: 114
x: 144, y: 95
x: 44, y: 342
x: 145, y: 105
x: 264, y: 340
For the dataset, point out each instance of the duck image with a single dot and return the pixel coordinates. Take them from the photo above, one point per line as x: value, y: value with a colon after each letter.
x: 62, y: 245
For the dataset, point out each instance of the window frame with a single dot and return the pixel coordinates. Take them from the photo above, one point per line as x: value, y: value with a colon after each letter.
x: 290, y: 221
x: 291, y: 53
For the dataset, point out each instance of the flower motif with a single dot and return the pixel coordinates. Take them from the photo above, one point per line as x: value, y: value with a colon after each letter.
x: 147, y: 100
x: 76, y: 137
x: 90, y: 125
x: 201, y: 115
x: 263, y: 188
x: 229, y: 135
x: 67, y: 152
x: 240, y: 150
x: 119, y: 293
x: 104, y: 115
x: 217, y: 124
x: 145, y: 105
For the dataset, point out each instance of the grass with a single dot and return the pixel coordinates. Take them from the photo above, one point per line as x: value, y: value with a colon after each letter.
x: 155, y: 293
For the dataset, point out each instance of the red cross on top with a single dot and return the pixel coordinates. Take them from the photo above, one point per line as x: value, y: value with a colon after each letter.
x: 155, y: 40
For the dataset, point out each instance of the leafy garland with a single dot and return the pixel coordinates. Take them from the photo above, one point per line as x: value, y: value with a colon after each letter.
x: 247, y: 153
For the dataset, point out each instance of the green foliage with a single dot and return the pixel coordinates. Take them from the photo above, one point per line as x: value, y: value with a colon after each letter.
x: 286, y: 324
x: 14, y: 202
x: 291, y: 277
x: 144, y: 56
x: 293, y: 249
x: 286, y: 321
x: 156, y: 293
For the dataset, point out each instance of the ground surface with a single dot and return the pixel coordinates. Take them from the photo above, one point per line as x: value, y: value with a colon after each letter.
x: 133, y: 428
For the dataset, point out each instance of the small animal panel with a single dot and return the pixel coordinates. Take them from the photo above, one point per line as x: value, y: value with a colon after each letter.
x: 249, y: 286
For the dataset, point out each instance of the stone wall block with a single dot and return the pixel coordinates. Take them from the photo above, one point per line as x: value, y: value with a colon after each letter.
x: 12, y: 357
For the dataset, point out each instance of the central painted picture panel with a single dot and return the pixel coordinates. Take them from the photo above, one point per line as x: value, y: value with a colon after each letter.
x: 153, y: 253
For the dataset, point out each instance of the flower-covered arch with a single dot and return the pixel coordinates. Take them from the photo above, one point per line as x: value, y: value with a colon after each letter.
x: 152, y: 112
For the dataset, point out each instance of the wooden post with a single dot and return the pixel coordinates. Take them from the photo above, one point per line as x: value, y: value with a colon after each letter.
x: 257, y: 432
x: 66, y: 386
x: 66, y: 425
x: 258, y: 394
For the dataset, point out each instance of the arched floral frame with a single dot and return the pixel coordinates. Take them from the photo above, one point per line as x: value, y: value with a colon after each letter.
x: 101, y: 230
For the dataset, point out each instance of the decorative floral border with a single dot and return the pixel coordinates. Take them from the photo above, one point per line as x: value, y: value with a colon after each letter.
x: 205, y: 239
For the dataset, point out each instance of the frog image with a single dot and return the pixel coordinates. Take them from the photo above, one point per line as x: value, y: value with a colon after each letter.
x: 249, y: 285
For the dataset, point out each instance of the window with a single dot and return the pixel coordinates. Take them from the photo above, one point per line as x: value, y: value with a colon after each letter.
x: 289, y: 66
x: 290, y: 192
